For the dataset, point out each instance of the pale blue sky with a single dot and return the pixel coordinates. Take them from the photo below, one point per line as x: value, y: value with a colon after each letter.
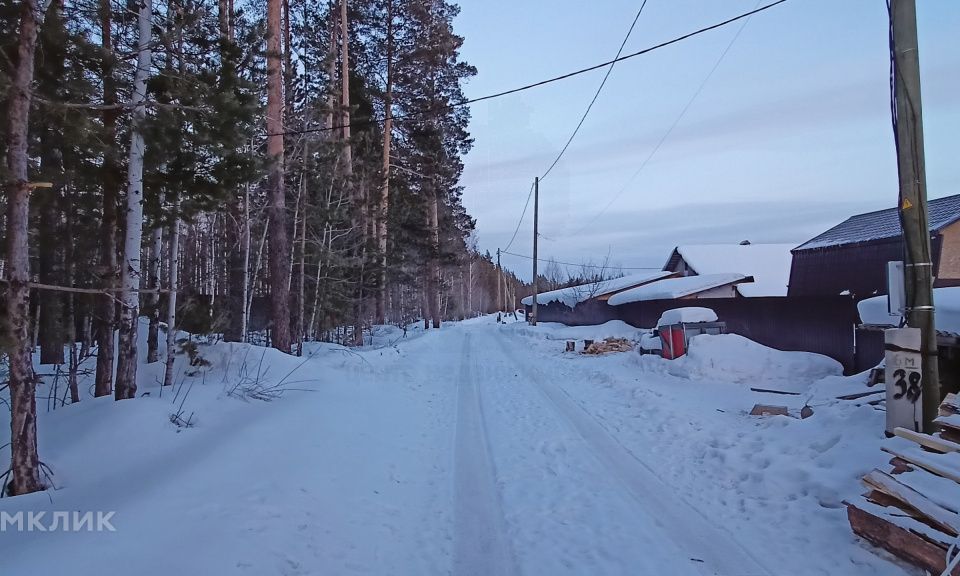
x: 790, y: 136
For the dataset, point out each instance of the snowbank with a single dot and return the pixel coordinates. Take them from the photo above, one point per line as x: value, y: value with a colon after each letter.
x: 733, y: 358
x: 687, y: 314
x: 576, y: 294
x: 946, y: 300
x: 558, y: 331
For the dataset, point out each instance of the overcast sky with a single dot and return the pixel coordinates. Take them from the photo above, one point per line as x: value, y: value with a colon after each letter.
x: 790, y: 135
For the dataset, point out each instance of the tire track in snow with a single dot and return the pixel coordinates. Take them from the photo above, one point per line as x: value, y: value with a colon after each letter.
x: 716, y: 549
x: 481, y: 544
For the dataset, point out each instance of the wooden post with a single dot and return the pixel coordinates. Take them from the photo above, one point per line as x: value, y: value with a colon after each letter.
x: 918, y: 266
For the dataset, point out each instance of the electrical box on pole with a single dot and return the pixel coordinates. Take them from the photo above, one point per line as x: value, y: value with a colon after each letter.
x: 896, y: 292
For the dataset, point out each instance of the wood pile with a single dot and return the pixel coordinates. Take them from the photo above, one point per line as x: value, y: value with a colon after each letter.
x: 913, y: 511
x: 609, y: 345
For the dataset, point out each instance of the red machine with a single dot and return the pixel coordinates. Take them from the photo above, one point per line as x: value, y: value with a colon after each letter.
x: 676, y: 337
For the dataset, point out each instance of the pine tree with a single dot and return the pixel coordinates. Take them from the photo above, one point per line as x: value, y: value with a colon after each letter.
x: 25, y: 462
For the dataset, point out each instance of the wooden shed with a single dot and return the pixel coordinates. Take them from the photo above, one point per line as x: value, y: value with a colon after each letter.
x: 851, y: 258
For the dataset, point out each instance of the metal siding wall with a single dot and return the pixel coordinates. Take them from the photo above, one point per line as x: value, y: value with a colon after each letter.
x: 869, y: 349
x: 822, y: 325
x: 861, y: 268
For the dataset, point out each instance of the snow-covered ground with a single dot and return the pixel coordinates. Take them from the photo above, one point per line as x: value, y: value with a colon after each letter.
x: 481, y: 448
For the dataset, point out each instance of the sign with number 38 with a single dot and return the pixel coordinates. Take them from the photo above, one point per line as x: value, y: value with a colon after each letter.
x: 904, y: 378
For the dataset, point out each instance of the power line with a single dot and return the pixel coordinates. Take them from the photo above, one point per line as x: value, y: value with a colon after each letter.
x: 542, y: 82
x: 581, y: 265
x: 522, y: 214
x: 599, y: 89
x: 669, y: 131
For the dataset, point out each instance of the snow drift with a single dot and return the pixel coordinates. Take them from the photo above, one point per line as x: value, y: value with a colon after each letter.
x: 737, y: 359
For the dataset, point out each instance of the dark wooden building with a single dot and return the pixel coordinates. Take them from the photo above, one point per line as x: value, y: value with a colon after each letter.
x: 851, y: 258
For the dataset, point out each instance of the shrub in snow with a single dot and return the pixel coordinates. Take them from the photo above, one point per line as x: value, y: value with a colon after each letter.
x: 733, y: 358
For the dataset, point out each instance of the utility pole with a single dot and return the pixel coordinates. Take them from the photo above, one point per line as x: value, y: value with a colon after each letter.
x: 918, y: 267
x: 499, y: 286
x: 536, y: 216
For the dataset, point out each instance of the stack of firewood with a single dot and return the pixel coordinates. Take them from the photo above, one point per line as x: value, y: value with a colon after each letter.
x: 913, y: 511
x: 609, y: 345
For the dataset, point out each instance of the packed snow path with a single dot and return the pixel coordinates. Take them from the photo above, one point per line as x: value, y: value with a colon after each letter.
x: 473, y: 450
x: 576, y: 499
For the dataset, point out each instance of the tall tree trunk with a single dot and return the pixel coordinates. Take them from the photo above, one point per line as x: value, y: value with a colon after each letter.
x: 280, y: 244
x: 238, y: 225
x: 126, y: 385
x: 25, y: 463
x: 53, y: 57
x: 153, y: 335
x: 345, y: 87
x: 174, y: 264
x: 106, y: 307
x: 384, y: 204
x: 433, y: 261
x: 51, y: 302
x: 244, y: 318
x: 71, y: 320
x: 302, y: 279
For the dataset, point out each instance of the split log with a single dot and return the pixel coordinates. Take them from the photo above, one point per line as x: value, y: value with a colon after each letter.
x: 950, y: 405
x: 767, y: 410
x: 929, y: 512
x: 900, y: 542
x: 900, y: 466
x: 946, y: 465
x: 928, y: 441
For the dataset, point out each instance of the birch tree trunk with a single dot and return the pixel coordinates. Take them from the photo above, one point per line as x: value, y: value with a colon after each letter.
x: 126, y: 385
x: 25, y: 463
x: 153, y: 336
x: 106, y: 307
x: 174, y: 264
x: 279, y: 245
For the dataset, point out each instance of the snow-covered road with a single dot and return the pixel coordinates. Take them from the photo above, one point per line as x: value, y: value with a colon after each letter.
x: 474, y: 450
x: 576, y: 500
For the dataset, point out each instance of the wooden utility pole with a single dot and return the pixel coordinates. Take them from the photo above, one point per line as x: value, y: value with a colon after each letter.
x: 536, y: 218
x: 918, y: 267
x: 499, y: 283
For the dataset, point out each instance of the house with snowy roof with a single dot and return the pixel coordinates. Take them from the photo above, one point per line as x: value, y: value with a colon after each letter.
x: 587, y: 303
x: 767, y: 264
x: 851, y: 258
x: 602, y: 290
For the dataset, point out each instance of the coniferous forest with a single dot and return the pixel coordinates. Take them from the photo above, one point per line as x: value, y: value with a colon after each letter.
x: 272, y: 171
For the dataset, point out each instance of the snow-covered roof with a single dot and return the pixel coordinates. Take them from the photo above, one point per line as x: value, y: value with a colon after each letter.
x: 884, y: 224
x: 574, y: 295
x: 672, y: 288
x: 769, y: 264
x: 946, y: 302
